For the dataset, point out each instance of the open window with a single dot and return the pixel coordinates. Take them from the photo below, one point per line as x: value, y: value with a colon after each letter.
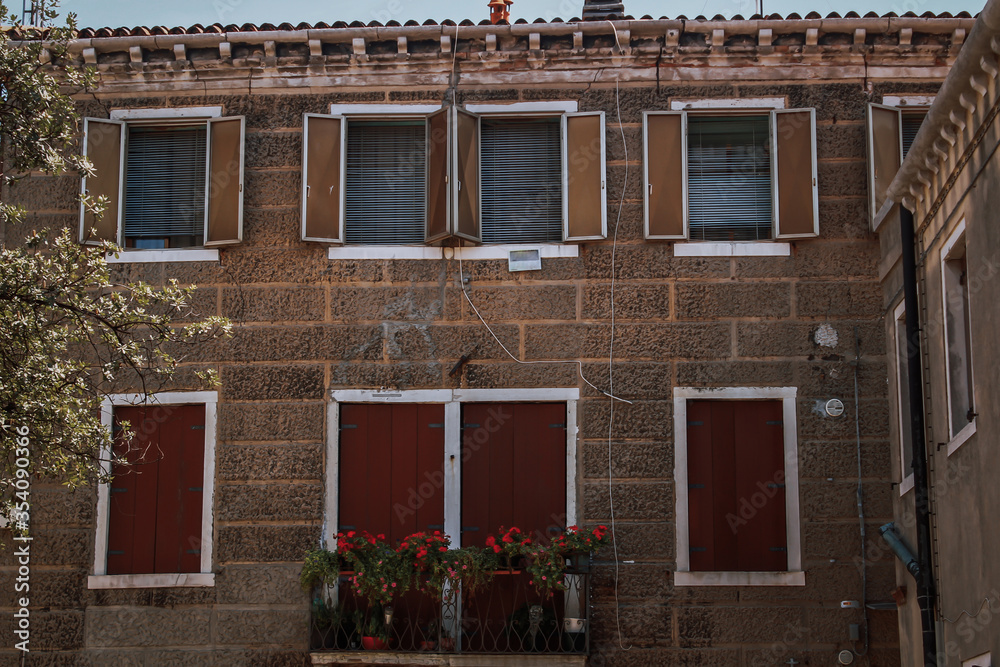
x: 958, y: 339
x: 730, y: 176
x: 169, y: 182
x: 410, y: 178
x: 902, y: 377
x: 890, y: 133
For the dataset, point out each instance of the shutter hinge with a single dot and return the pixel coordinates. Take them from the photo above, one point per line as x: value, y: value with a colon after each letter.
x: 775, y: 423
x: 470, y: 425
x: 696, y: 486
x: 198, y: 427
x: 698, y: 549
x: 435, y: 526
x: 116, y: 553
x: 772, y: 485
x: 470, y: 529
x: 435, y: 426
x: 347, y: 426
x: 119, y: 490
x: 778, y: 549
x: 346, y: 527
x: 557, y: 425
x: 194, y: 551
x: 195, y: 488
x: 696, y: 423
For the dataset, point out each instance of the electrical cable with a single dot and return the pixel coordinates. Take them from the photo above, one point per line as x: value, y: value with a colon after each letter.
x: 965, y: 613
x: 579, y: 364
x: 860, y: 492
x: 611, y: 347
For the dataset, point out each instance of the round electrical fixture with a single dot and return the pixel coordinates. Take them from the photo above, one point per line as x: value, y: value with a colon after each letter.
x: 845, y: 657
x: 835, y: 407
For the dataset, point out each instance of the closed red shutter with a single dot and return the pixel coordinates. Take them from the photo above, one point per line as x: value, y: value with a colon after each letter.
x: 513, y: 469
x: 391, y: 469
x: 736, y: 495
x: 156, y: 503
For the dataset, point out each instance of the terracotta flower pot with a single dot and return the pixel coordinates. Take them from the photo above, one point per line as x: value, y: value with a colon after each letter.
x: 373, y: 644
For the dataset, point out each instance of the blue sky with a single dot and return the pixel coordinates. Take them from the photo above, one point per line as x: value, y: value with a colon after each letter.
x: 115, y: 13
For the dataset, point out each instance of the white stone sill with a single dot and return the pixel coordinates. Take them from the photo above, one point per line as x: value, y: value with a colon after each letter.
x: 178, y: 580
x: 739, y: 578
x: 906, y: 485
x: 155, y: 256
x: 734, y: 249
x: 445, y: 659
x: 962, y: 437
x: 499, y: 251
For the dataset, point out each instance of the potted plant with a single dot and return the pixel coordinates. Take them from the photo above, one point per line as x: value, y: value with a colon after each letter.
x: 380, y: 573
x: 373, y: 628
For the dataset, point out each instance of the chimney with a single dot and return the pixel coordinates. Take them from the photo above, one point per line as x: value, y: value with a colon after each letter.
x: 602, y: 10
x: 500, y: 11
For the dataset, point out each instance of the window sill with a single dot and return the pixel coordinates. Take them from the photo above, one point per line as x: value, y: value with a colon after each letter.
x: 499, y: 251
x: 739, y: 578
x: 962, y: 436
x: 906, y: 485
x: 178, y: 580
x: 732, y: 249
x: 178, y: 255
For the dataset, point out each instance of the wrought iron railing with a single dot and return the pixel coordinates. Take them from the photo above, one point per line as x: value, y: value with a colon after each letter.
x: 508, y: 615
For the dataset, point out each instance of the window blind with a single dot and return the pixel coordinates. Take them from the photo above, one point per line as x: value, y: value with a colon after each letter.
x: 385, y: 182
x: 165, y: 182
x: 521, y: 181
x: 729, y: 178
x: 911, y: 122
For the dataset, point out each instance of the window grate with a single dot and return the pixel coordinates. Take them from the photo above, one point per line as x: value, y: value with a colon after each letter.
x: 385, y: 182
x: 729, y: 178
x: 165, y: 183
x: 521, y: 180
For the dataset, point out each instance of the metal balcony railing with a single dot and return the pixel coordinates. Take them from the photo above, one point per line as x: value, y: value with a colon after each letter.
x: 506, y: 616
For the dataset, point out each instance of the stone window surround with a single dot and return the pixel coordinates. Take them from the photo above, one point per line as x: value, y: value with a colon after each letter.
x: 492, y: 251
x: 957, y: 235
x: 735, y: 248
x: 795, y: 576
x: 452, y: 400
x: 906, y: 481
x: 170, y: 255
x: 206, y: 578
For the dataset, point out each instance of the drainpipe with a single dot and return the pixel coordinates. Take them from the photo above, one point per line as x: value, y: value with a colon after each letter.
x: 925, y: 580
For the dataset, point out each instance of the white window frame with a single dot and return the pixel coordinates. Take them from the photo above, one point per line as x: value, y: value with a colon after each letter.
x: 452, y: 400
x: 491, y: 251
x: 168, y: 116
x: 905, y: 480
x: 794, y: 576
x: 205, y: 578
x: 962, y: 436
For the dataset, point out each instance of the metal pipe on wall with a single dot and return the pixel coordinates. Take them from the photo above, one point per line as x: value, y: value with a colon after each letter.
x: 925, y: 581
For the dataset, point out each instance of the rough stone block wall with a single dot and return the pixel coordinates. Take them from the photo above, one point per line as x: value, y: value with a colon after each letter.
x: 305, y: 325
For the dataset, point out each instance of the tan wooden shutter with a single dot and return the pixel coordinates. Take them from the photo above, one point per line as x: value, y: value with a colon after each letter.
x: 793, y: 160
x: 224, y: 223
x: 437, y: 175
x: 104, y: 144
x: 665, y: 174
x: 465, y: 184
x: 323, y: 178
x: 885, y: 153
x: 585, y: 198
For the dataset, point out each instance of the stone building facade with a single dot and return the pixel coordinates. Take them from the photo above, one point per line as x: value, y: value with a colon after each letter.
x: 792, y: 322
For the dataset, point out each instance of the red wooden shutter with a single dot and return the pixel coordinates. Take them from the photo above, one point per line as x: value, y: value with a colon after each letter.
x: 513, y: 469
x: 736, y: 495
x: 391, y: 469
x: 156, y: 504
